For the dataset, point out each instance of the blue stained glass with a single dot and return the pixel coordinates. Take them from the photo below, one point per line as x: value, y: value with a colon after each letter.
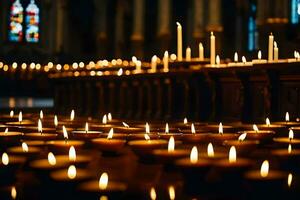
x: 16, y: 20
x: 32, y: 22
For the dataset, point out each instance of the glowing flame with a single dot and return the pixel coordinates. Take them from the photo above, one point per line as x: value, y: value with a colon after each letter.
x: 171, y: 192
x: 65, y: 133
x: 290, y: 148
x: 290, y: 179
x: 210, y: 150
x: 13, y: 192
x: 5, y: 159
x: 55, y: 121
x: 51, y: 159
x: 86, y: 127
x: 11, y: 114
x: 264, y: 170
x: 72, y: 172
x: 103, y: 181
x: 255, y: 128
x: 193, y: 129
x: 185, y: 121
x: 120, y: 72
x: 268, y: 123
x: 232, y: 154
x: 171, y: 144
x: 147, y: 137
x: 152, y: 193
x: 236, y: 57
x: 25, y: 147
x: 167, y: 128
x: 72, y: 115
x: 218, y: 60
x: 40, y: 126
x: 6, y: 130
x: 259, y: 54
x: 220, y: 128
x: 109, y: 117
x: 291, y: 134
x: 41, y: 114
x: 110, y: 133
x: 104, y: 119
x: 147, y: 128
x: 72, y: 154
x: 242, y: 137
x: 20, y: 116
x: 244, y: 59
x: 194, y: 155
x: 125, y: 124
x: 287, y: 117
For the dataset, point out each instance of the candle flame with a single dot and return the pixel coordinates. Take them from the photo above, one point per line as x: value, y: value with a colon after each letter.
x: 5, y: 158
x: 242, y: 137
x: 120, y: 72
x: 210, y: 150
x: 178, y: 24
x: 104, y: 119
x: 6, y: 130
x: 255, y: 128
x: 86, y: 127
x: 259, y: 54
x: 290, y: 179
x: 72, y: 154
x: 125, y: 124
x: 51, y: 159
x: 236, y: 57
x: 103, y: 181
x: 147, y: 137
x: 20, y: 116
x: 264, y: 170
x: 147, y: 128
x: 171, y: 192
x: 55, y: 121
x: 194, y: 155
x: 287, y: 116
x: 167, y: 128
x: 72, y: 172
x: 275, y: 44
x: 193, y: 130
x: 268, y: 123
x: 13, y: 192
x: 290, y: 149
x: 109, y: 117
x: 41, y: 114
x: 11, y: 114
x: 185, y: 121
x: 152, y: 193
x: 218, y: 60
x: 244, y: 59
x: 25, y: 147
x: 72, y: 115
x: 110, y: 133
x: 291, y: 134
x: 220, y: 128
x: 40, y: 126
x: 65, y: 133
x: 232, y: 154
x: 171, y: 144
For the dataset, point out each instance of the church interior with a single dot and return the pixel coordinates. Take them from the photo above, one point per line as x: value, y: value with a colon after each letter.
x: 149, y: 99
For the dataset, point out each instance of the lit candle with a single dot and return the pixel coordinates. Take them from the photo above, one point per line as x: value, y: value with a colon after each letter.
x: 72, y: 116
x: 138, y: 66
x: 259, y: 59
x: 275, y: 52
x: 212, y: 49
x: 236, y: 57
x: 188, y: 54
x: 218, y: 61
x: 201, y: 52
x: 270, y: 49
x: 154, y: 63
x: 166, y: 61
x: 179, y: 41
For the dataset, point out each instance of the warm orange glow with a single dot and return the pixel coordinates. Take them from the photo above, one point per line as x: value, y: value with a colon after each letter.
x: 11, y: 114
x: 86, y: 127
x: 110, y: 134
x: 185, y: 121
x: 193, y: 129
x: 287, y: 116
x: 55, y: 121
x: 6, y: 130
x: 236, y: 57
x: 171, y: 192
x: 220, y: 128
x: 125, y: 124
x: 25, y: 147
x: 242, y: 137
x: 290, y: 179
x: 268, y: 123
x: 210, y: 150
x: 72, y: 172
x: 232, y: 154
x: 120, y: 72
x: 218, y: 60
x: 259, y: 54
x: 255, y: 128
x: 171, y: 144
x: 103, y: 181
x: 5, y: 158
x: 13, y: 192
x: 167, y: 128
x: 72, y: 115
x: 147, y: 137
x: 41, y: 114
x: 194, y: 155
x: 264, y: 170
x: 290, y: 148
x: 109, y: 117
x: 40, y: 126
x: 65, y: 133
x: 152, y: 193
x: 51, y: 159
x: 72, y: 154
x: 20, y: 116
x: 291, y: 134
x: 147, y: 128
x: 244, y: 59
x: 104, y: 119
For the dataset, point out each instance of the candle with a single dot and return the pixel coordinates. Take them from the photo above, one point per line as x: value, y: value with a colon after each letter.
x: 40, y: 135
x: 221, y: 136
x: 212, y: 49
x: 71, y: 175
x: 166, y: 61
x: 188, y: 54
x: 9, y: 137
x: 270, y: 48
x: 256, y: 134
x: 201, y: 52
x: 259, y: 59
x: 211, y: 154
x: 283, y: 141
x: 138, y: 66
x: 275, y: 52
x: 193, y: 137
x: 242, y: 145
x: 154, y: 63
x: 8, y: 167
x: 236, y: 57
x: 86, y: 133
x: 25, y: 150
x: 73, y: 158
x: 167, y: 133
x: 45, y: 166
x: 179, y: 41
x: 218, y: 61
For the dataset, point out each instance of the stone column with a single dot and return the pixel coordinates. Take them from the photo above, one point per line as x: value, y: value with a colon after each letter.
x: 101, y: 27
x: 119, y: 31
x: 137, y: 36
x: 61, y: 28
x: 198, y: 26
x: 163, y: 25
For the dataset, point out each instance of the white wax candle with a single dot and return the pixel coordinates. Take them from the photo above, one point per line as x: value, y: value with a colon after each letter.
x: 188, y: 54
x: 179, y: 41
x: 270, y: 49
x: 212, y: 49
x: 154, y: 63
x: 275, y: 52
x: 166, y: 61
x: 201, y: 51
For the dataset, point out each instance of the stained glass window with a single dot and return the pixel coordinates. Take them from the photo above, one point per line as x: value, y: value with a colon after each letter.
x: 32, y: 22
x: 294, y: 11
x: 16, y: 20
x: 252, y: 30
